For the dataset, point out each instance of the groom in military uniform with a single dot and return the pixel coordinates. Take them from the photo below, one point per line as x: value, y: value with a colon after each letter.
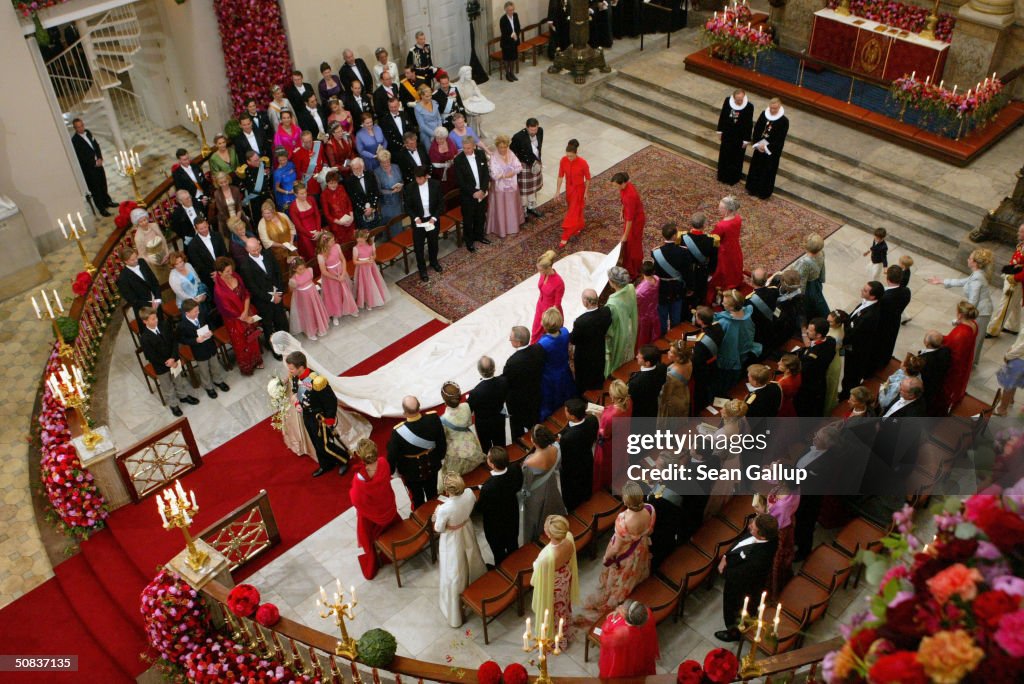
x: 416, y: 450
x: 315, y: 398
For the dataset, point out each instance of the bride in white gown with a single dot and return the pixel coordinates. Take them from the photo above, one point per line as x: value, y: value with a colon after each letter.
x: 351, y: 427
x: 460, y: 559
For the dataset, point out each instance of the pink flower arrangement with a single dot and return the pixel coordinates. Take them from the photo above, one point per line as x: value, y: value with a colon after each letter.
x: 732, y: 36
x: 900, y: 15
x: 255, y: 48
x: 974, y: 108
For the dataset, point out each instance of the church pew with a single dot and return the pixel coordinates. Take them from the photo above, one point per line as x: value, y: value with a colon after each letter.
x: 404, y: 541
x: 490, y: 596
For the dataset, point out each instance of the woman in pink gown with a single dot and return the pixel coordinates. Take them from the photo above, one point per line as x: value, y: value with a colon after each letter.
x: 307, y: 313
x: 288, y: 135
x: 960, y: 341
x: 618, y: 407
x: 334, y: 280
x: 729, y: 273
x: 649, y: 327
x: 505, y: 210
x: 551, y: 287
x: 306, y: 217
x: 370, y: 289
x: 627, y: 558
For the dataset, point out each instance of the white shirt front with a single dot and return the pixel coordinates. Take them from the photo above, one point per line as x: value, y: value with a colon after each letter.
x: 205, y: 239
x: 136, y: 269
x: 316, y: 117
x: 748, y: 542
x: 399, y: 124
x: 84, y: 137
x: 864, y: 304
x: 191, y: 213
x: 897, y: 405
x: 415, y: 156
x: 251, y: 137
x: 474, y: 169
x: 535, y: 146
x: 259, y: 261
x: 425, y: 198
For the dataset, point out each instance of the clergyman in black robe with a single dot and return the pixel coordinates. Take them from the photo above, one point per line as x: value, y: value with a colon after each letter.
x: 769, y: 139
x: 558, y: 18
x: 735, y: 124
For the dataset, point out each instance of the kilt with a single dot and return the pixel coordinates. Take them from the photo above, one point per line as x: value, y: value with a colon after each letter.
x: 530, y: 182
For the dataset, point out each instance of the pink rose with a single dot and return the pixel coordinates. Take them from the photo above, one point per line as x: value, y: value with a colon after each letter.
x: 956, y: 580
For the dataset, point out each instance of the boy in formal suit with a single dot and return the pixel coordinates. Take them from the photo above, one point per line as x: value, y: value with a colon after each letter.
x: 423, y: 204
x: 499, y: 505
x: 745, y: 569
x: 161, y: 350
x: 194, y: 331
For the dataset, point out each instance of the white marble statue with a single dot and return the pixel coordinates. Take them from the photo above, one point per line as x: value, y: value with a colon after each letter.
x: 474, y: 100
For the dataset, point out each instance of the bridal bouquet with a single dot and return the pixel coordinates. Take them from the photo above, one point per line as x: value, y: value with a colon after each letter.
x: 278, y: 401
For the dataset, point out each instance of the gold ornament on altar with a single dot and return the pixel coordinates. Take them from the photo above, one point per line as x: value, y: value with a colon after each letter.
x: 177, y: 510
x: 63, y: 348
x: 346, y: 647
x: 197, y: 114
x: 129, y: 164
x: 544, y: 645
x: 929, y: 27
x: 68, y: 388
x: 844, y: 8
x: 76, y: 232
x: 763, y: 631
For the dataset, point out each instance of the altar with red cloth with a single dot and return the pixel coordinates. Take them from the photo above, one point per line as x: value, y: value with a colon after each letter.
x: 873, y: 49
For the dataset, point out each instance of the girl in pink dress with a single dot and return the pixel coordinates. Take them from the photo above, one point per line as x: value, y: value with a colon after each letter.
x: 334, y: 280
x: 308, y: 314
x: 370, y: 289
x: 551, y: 287
x: 649, y: 327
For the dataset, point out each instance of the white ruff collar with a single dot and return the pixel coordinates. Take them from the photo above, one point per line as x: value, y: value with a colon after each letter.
x: 775, y: 117
x: 732, y: 103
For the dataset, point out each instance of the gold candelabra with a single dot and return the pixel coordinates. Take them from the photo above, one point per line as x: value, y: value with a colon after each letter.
x: 177, y: 510
x: 75, y: 234
x: 63, y: 348
x: 763, y: 630
x: 933, y: 20
x: 844, y: 8
x: 544, y: 645
x: 346, y: 647
x: 197, y: 114
x: 129, y: 164
x: 69, y: 389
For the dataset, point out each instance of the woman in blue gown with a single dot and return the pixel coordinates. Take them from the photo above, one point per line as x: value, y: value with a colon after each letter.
x: 557, y: 385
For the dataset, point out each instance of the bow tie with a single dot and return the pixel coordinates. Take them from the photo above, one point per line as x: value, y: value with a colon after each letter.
x: 359, y: 178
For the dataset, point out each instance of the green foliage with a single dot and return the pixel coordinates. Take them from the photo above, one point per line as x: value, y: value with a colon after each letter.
x: 232, y: 129
x: 68, y: 328
x: 377, y: 648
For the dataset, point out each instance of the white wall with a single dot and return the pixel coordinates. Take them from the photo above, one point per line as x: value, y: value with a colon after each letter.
x: 319, y: 31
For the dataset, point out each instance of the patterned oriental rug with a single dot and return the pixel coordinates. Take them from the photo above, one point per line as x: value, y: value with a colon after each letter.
x: 672, y: 188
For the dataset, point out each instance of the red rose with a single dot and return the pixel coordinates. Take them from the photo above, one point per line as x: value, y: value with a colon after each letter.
x: 925, y: 567
x: 689, y: 672
x: 80, y: 285
x: 721, y: 665
x: 898, y: 668
x: 515, y: 674
x: 862, y: 640
x: 989, y: 606
x: 1004, y: 528
x: 489, y: 673
x: 243, y: 600
x: 268, y: 615
x: 956, y: 550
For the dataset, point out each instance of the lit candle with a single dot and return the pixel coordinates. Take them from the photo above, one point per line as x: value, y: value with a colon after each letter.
x: 203, y: 105
x: 188, y: 518
x: 178, y: 488
x: 352, y: 593
x: 743, y: 613
x: 526, y: 636
x: 757, y: 637
x: 60, y: 306
x: 63, y: 230
x: 81, y: 223
x: 561, y: 624
x: 35, y: 306
x: 716, y: 15
x: 955, y: 86
x: 544, y: 625
x: 192, y: 495
x: 160, y: 509
x: 74, y: 231
x: 78, y: 376
x: 323, y: 595
x: 188, y: 112
x: 46, y: 301
x: 927, y: 79
x: 775, y: 623
x: 912, y: 75
x: 993, y: 75
x: 969, y: 91
x: 135, y: 159
x: 941, y: 82
x: 778, y: 610
x: 174, y: 505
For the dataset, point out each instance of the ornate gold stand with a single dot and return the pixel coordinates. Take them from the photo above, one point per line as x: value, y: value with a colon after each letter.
x: 177, y: 510
x: 347, y: 646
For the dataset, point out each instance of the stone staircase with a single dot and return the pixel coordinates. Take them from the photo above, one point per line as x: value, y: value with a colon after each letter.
x: 813, y: 172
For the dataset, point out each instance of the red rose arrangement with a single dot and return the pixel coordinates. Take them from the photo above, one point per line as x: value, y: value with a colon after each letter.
x: 689, y: 672
x: 899, y: 15
x: 946, y: 612
x: 974, y: 108
x: 123, y: 219
x: 174, y: 615
x: 243, y: 600
x: 514, y: 674
x: 268, y: 615
x: 80, y: 285
x: 733, y: 36
x: 489, y: 672
x: 720, y: 666
x: 255, y: 48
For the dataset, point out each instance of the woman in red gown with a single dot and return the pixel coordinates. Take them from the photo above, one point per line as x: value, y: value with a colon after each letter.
x: 442, y: 159
x: 790, y: 383
x: 306, y: 216
x: 729, y: 273
x: 629, y: 642
x: 337, y: 209
x: 374, y: 501
x: 551, y: 287
x: 633, y: 219
x: 575, y: 172
x: 237, y: 311
x: 960, y: 342
x: 340, y: 149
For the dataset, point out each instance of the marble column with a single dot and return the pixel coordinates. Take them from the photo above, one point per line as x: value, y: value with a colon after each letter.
x: 994, y: 7
x: 979, y: 40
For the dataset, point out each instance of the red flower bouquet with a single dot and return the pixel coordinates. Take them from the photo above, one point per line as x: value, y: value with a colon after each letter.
x: 721, y: 666
x: 489, y: 672
x: 958, y: 111
x: 80, y: 285
x: 689, y: 672
x: 243, y: 600
x: 514, y: 674
x: 899, y: 15
x: 732, y: 36
x: 255, y: 48
x: 268, y: 615
x: 123, y: 219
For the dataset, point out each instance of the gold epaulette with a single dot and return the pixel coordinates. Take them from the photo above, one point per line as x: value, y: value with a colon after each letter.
x: 240, y: 171
x: 399, y: 425
x: 427, y: 413
x: 717, y: 239
x: 319, y: 382
x: 750, y: 398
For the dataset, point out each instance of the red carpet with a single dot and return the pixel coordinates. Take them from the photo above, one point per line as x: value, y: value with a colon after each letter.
x: 91, y: 607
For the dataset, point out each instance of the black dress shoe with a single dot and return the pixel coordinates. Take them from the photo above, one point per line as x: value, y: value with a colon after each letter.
x: 222, y: 386
x: 535, y: 213
x: 104, y: 212
x: 318, y: 472
x: 470, y: 248
x: 484, y: 241
x: 189, y: 400
x: 728, y: 635
x: 437, y: 267
x: 112, y: 205
x: 424, y: 277
x: 176, y: 411
x: 211, y: 393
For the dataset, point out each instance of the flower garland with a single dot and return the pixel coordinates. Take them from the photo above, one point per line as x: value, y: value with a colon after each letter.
x: 948, y: 611
x: 900, y: 15
x: 733, y: 37
x: 255, y: 48
x: 975, y: 108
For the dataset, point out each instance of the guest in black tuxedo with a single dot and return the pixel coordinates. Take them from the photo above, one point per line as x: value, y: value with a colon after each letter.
x: 190, y: 177
x: 558, y: 22
x: 354, y: 69
x: 861, y: 340
x: 746, y: 568
x: 769, y: 138
x: 364, y: 194
x: 448, y: 99
x: 395, y: 123
x: 704, y: 252
x: 260, y: 122
x: 522, y: 374
x: 473, y: 176
x: 487, y: 401
x: 601, y: 23
x: 526, y: 145
x: 764, y: 397
x: 161, y: 351
x: 815, y: 358
x: 671, y: 264
x: 313, y: 118
x: 203, y: 346
x: 411, y: 156
x: 266, y: 288
x: 511, y: 35
x: 588, y: 342
x: 825, y: 470
x: 357, y: 100
x: 668, y: 511
x: 90, y: 158
x: 735, y: 125
x: 645, y: 384
x: 577, y: 441
x: 297, y: 91
x: 251, y: 138
x: 891, y: 305
x: 763, y: 299
x: 137, y: 283
x: 416, y: 450
x: 937, y: 359
x: 499, y: 505
x: 185, y: 215
x: 423, y: 205
x: 898, y: 434
x: 203, y: 251
x: 705, y: 356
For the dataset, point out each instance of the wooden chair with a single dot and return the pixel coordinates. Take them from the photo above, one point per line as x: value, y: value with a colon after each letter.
x: 223, y: 340
x: 423, y: 516
x: 401, y: 238
x: 789, y: 636
x: 659, y: 597
x: 714, y: 538
x: 495, y: 56
x: 533, y: 45
x: 737, y: 512
x: 518, y: 567
x: 858, y: 534
x: 403, y: 541
x: 128, y: 313
x: 685, y: 569
x: 149, y: 374
x: 805, y: 601
x: 387, y: 252
x: 827, y: 567
x: 600, y: 509
x: 188, y: 361
x: 489, y: 597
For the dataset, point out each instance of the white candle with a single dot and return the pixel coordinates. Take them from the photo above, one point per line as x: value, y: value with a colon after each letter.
x: 716, y: 15
x: 35, y: 306
x: 941, y: 82
x: 912, y: 75
x: 757, y: 637
x: 969, y: 91
x: 203, y: 104
x: 746, y: 602
x: 927, y: 79
x: 192, y: 495
x: 527, y: 627
x: 160, y: 508
x: 561, y: 625
x: 174, y: 505
x: 993, y: 75
x: 544, y: 625
x: 178, y: 488
x: 352, y: 593
x: 323, y: 595
x: 78, y: 377
x: 60, y: 395
x: 136, y: 163
x: 526, y: 638
x: 46, y: 301
x: 74, y: 231
x: 60, y: 306
x: 778, y: 610
x: 81, y: 223
x: 63, y: 230
x: 955, y: 86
